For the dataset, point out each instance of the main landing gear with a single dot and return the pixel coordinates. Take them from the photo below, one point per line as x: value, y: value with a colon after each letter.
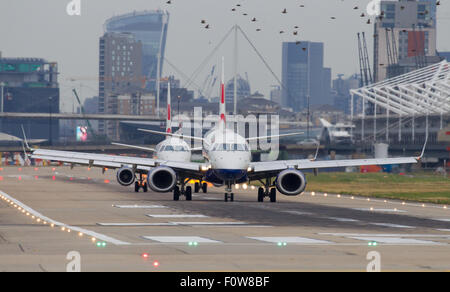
x: 267, y: 191
x: 183, y: 191
x: 203, y: 187
x: 141, y: 182
x: 229, y: 195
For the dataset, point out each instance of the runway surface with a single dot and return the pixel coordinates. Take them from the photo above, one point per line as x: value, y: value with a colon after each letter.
x: 112, y: 227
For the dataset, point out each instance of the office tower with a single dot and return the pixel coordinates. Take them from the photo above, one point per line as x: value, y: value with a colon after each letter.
x: 120, y: 72
x: 243, y: 90
x: 303, y: 75
x: 150, y: 28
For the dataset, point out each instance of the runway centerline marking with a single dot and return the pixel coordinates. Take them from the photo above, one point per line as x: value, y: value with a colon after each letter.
x: 380, y: 210
x: 392, y: 225
x: 139, y: 206
x: 396, y: 240
x: 291, y: 239
x: 177, y: 216
x: 180, y: 239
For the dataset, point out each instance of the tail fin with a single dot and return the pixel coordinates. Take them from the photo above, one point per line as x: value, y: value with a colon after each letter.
x: 25, y: 139
x: 169, y: 111
x: 222, y: 109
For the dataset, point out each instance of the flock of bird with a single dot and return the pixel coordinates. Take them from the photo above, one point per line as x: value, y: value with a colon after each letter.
x: 239, y: 7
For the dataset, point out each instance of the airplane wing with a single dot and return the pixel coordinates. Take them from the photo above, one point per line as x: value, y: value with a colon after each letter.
x: 276, y: 166
x: 113, y: 161
x: 135, y: 147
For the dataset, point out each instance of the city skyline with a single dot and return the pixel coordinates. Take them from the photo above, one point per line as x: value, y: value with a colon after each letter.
x: 81, y: 33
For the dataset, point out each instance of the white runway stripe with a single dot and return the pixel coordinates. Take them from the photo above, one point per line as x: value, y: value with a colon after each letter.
x: 294, y: 239
x: 136, y: 224
x: 343, y: 219
x: 140, y: 206
x: 395, y: 240
x: 176, y: 216
x: 392, y: 225
x: 380, y: 210
x: 209, y: 223
x: 180, y: 239
x: 98, y: 236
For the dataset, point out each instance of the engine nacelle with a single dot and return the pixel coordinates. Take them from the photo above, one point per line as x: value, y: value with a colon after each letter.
x: 162, y: 179
x: 291, y: 182
x: 125, y: 176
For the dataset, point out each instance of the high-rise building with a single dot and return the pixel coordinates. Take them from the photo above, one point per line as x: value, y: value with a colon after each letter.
x: 150, y: 28
x: 275, y: 94
x: 29, y: 85
x: 303, y: 75
x: 405, y: 34
x: 341, y: 92
x: 120, y: 72
x: 243, y: 90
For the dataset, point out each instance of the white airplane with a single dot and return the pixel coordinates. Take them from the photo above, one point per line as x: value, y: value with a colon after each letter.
x: 229, y: 164
x: 172, y: 148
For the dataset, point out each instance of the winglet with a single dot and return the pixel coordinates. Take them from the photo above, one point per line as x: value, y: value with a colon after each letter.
x: 317, y: 152
x: 423, y: 150
x: 25, y: 140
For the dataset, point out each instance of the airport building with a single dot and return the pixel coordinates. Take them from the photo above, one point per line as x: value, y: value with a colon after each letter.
x: 304, y: 75
x: 407, y: 109
x: 29, y: 85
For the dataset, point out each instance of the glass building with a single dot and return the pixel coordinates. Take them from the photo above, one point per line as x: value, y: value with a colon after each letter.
x: 303, y: 75
x: 150, y: 28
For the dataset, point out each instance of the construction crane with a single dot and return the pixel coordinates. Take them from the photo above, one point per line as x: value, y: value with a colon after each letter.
x: 90, y: 128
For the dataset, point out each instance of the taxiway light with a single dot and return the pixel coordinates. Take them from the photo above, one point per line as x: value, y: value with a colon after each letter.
x: 101, y: 244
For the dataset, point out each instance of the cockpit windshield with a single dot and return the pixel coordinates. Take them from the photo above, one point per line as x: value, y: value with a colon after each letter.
x: 230, y: 147
x: 177, y: 148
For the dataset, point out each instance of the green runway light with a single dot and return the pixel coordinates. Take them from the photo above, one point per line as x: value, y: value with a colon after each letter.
x: 372, y: 243
x: 193, y: 243
x: 101, y: 244
x: 282, y: 244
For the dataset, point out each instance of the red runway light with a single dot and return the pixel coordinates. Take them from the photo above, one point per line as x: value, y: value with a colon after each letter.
x: 35, y: 169
x: 107, y: 181
x: 36, y: 177
x: 20, y: 169
x: 1, y: 178
x: 20, y: 178
x: 71, y: 178
x: 54, y: 178
x: 53, y: 169
x: 145, y: 255
x: 156, y: 264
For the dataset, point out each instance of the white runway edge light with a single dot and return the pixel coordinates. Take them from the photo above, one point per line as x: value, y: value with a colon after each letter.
x: 362, y: 198
x: 37, y: 217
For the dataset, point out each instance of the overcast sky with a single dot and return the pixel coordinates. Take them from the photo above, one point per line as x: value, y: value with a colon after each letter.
x: 30, y: 28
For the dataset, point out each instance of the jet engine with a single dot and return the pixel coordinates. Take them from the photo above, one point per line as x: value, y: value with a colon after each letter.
x: 162, y: 179
x: 291, y: 182
x: 125, y: 176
